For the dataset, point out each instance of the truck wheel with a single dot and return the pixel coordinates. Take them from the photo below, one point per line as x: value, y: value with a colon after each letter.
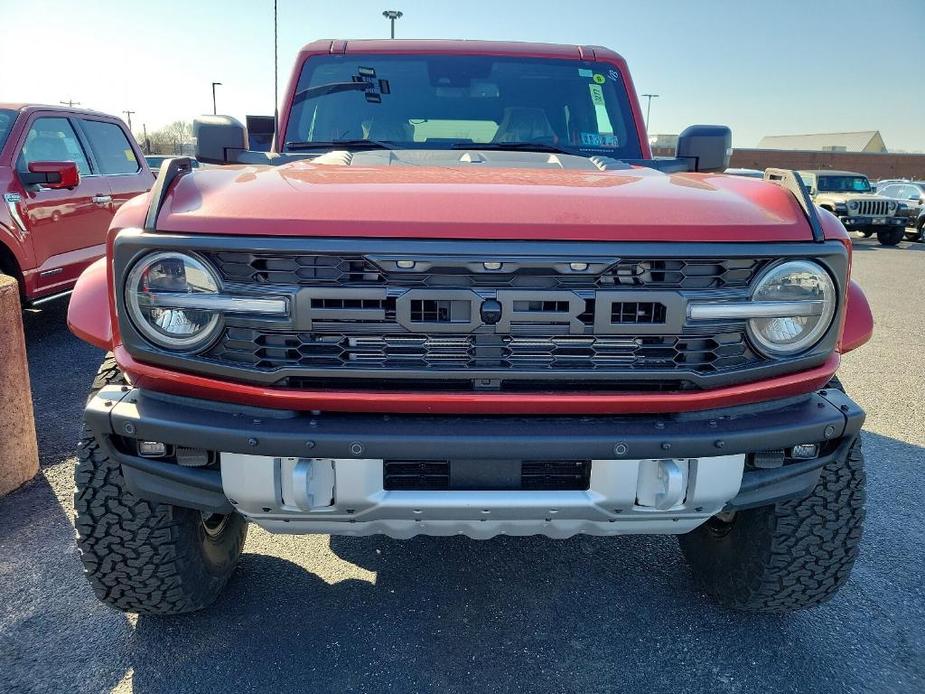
x: 142, y: 556
x: 917, y: 233
x: 890, y: 237
x: 787, y: 556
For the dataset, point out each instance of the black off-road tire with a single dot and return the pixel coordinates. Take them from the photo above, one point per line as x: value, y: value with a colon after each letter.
x: 890, y: 237
x: 142, y: 556
x: 788, y: 556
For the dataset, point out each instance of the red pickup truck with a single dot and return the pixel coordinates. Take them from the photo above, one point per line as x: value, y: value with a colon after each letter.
x: 63, y: 173
x: 460, y: 297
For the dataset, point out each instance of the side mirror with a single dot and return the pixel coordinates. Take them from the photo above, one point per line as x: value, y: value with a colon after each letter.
x: 218, y: 138
x: 260, y: 132
x: 708, y: 146
x: 52, y: 174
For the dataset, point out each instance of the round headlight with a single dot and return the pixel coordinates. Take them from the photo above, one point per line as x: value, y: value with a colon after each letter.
x: 853, y: 204
x: 809, y: 292
x: 166, y: 294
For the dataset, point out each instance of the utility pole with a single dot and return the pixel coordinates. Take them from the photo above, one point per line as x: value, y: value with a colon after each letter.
x: 144, y: 128
x: 70, y: 103
x: 128, y: 115
x: 649, y: 107
x: 392, y: 15
x: 275, y: 72
x: 214, y: 108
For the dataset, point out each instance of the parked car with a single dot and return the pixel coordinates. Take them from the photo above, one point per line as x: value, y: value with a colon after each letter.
x: 912, y: 195
x: 64, y: 172
x: 155, y: 161
x: 849, y: 196
x: 448, y: 306
x: 748, y: 173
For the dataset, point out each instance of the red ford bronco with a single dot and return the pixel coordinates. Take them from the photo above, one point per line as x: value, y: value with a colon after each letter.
x: 63, y: 174
x: 460, y: 297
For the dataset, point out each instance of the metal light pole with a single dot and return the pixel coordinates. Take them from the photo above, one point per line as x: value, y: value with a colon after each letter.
x: 649, y: 107
x: 128, y: 115
x: 275, y: 72
x: 214, y: 108
x: 392, y: 15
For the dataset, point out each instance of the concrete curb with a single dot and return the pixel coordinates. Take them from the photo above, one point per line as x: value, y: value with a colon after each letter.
x: 19, y: 454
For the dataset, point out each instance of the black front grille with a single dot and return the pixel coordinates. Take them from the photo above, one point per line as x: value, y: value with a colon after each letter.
x: 359, y: 270
x: 620, y: 354
x: 441, y: 318
x: 534, y: 475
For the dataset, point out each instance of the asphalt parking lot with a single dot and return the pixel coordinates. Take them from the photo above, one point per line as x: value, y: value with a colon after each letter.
x: 582, y: 615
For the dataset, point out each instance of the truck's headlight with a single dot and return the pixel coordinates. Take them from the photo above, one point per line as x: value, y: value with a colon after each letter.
x: 808, y: 291
x: 167, y: 297
x: 853, y: 204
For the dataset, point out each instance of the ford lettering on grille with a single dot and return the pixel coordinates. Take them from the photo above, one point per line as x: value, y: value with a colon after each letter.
x: 500, y: 311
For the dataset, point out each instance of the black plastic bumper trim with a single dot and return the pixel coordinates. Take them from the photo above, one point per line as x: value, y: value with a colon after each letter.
x: 828, y: 415
x: 421, y: 437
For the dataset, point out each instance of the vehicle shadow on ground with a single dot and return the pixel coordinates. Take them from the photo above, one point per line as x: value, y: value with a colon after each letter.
x: 58, y: 400
x: 533, y: 614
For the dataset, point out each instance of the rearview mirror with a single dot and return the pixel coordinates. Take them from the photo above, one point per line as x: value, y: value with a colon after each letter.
x: 52, y: 174
x: 708, y: 146
x: 219, y: 139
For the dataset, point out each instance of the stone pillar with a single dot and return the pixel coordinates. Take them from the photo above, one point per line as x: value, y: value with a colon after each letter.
x: 19, y: 454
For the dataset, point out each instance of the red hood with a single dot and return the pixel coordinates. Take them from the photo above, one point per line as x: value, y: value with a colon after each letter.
x: 310, y: 199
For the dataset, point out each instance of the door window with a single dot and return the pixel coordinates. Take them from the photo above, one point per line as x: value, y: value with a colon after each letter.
x: 114, y: 154
x: 52, y: 139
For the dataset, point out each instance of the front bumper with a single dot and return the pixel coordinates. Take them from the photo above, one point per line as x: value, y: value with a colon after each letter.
x: 853, y: 223
x: 323, y: 473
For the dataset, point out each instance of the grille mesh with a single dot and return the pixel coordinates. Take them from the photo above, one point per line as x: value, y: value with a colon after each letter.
x: 356, y: 270
x: 274, y: 350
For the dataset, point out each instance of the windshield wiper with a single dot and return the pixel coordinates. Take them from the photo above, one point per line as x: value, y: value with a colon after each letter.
x: 330, y: 88
x: 338, y: 144
x: 515, y: 147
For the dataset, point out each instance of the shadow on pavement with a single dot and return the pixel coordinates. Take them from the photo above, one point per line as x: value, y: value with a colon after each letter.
x: 61, y: 368
x: 532, y: 614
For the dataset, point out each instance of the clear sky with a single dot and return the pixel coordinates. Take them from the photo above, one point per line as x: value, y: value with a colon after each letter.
x: 789, y: 66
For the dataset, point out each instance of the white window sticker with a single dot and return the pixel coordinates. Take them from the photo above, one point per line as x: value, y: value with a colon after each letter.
x: 604, y: 125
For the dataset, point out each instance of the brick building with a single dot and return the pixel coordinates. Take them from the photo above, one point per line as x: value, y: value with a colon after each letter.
x: 874, y: 165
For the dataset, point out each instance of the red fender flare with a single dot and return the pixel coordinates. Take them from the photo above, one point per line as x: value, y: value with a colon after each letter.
x: 859, y: 321
x: 88, y: 313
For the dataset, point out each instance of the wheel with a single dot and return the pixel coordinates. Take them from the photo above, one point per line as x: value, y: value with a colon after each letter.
x: 790, y: 555
x: 890, y: 237
x: 917, y: 233
x: 142, y: 556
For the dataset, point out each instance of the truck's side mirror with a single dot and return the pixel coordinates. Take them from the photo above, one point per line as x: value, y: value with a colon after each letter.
x: 219, y: 138
x: 51, y: 174
x: 709, y: 147
x: 260, y: 132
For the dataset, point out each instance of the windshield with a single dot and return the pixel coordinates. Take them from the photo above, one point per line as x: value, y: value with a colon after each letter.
x: 843, y: 184
x: 445, y: 101
x: 7, y: 118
